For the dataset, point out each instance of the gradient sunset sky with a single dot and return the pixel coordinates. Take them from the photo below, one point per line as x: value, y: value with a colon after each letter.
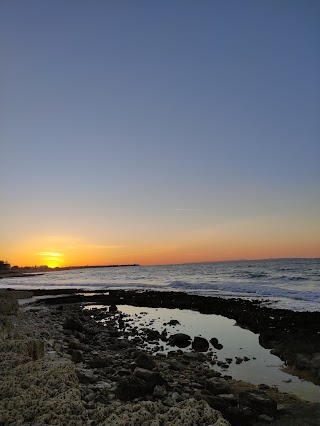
x: 161, y: 131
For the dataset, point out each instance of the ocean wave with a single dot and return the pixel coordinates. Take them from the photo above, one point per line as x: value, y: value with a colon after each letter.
x: 245, y: 289
x: 287, y: 278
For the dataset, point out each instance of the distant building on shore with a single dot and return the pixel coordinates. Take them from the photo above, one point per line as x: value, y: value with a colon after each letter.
x: 4, y: 266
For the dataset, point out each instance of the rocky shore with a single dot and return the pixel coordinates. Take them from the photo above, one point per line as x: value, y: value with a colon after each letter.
x: 61, y: 364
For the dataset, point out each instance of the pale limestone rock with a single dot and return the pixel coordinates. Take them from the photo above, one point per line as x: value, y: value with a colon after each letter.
x: 187, y: 413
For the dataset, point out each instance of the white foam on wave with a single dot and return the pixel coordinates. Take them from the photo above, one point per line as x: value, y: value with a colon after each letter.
x: 249, y: 290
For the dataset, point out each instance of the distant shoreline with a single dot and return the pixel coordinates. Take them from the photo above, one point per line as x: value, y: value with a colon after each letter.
x: 33, y: 271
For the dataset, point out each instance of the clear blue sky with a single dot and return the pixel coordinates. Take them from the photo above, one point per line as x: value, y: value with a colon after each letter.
x: 116, y: 115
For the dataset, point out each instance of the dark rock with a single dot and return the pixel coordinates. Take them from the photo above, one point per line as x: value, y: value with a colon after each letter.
x: 86, y: 376
x: 179, y: 339
x: 143, y: 373
x: 150, y: 377
x: 173, y: 322
x: 200, y: 344
x: 159, y: 392
x: 113, y: 308
x: 217, y: 403
x: 191, y: 356
x: 100, y: 362
x: 174, y: 365
x: 239, y: 416
x: 124, y: 372
x: 263, y: 418
x: 259, y: 402
x: 151, y: 334
x: 77, y: 356
x: 122, y: 343
x: 73, y: 324
x: 218, y: 386
x: 145, y: 361
x: 215, y: 343
x: 228, y: 399
x: 134, y: 387
x: 92, y: 331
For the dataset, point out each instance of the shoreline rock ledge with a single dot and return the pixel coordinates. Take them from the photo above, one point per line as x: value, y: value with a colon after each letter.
x: 60, y: 365
x: 40, y: 383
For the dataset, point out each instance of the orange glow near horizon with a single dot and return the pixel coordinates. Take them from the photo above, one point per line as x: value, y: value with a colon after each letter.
x: 196, y: 252
x: 246, y: 238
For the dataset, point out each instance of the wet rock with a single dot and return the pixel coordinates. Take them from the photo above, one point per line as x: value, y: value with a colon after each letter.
x: 200, y: 344
x: 145, y: 361
x: 215, y: 343
x: 173, y: 322
x: 259, y: 402
x: 179, y: 339
x: 132, y: 387
x: 73, y: 324
x: 151, y: 335
x: 218, y: 386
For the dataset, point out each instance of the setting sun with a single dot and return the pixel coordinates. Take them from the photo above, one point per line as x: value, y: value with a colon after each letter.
x: 51, y: 259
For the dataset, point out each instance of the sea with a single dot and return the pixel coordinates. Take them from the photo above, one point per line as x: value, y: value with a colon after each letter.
x: 281, y: 283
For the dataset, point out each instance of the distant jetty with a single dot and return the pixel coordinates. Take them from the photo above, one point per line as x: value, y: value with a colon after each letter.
x: 65, y: 268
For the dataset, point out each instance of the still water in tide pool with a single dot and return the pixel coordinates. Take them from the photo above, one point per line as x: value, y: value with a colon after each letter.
x: 236, y: 341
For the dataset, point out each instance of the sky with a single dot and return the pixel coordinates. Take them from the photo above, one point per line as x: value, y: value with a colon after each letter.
x: 155, y: 132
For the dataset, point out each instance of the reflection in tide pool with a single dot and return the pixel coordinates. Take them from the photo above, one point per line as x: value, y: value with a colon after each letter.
x: 262, y: 367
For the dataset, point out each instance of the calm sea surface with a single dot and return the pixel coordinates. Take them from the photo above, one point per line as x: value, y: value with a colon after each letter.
x: 286, y: 283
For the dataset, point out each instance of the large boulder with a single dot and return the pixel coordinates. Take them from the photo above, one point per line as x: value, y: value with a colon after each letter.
x: 258, y: 401
x: 200, y: 344
x: 132, y: 387
x: 153, y: 378
x: 179, y: 339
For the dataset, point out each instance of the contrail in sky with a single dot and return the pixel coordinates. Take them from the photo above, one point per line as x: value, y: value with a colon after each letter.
x: 190, y: 210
